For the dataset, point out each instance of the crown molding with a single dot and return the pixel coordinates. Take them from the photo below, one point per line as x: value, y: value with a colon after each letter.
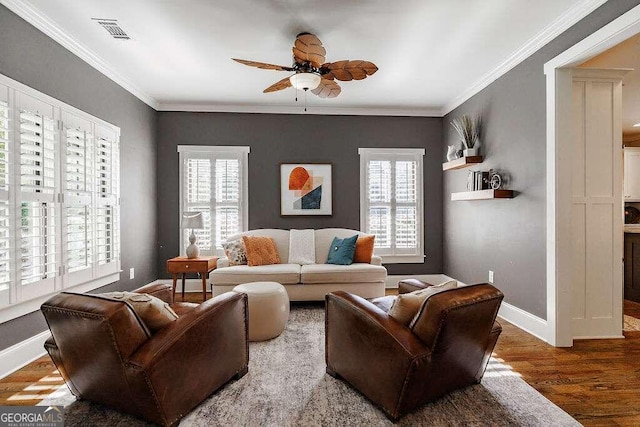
x: 42, y: 22
x: 550, y: 32
x: 312, y: 110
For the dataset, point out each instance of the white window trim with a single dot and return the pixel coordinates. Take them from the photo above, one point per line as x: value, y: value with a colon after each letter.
x: 208, y: 150
x: 101, y: 277
x: 418, y: 153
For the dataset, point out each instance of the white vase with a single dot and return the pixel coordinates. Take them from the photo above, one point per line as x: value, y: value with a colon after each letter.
x: 468, y: 152
x: 452, y: 152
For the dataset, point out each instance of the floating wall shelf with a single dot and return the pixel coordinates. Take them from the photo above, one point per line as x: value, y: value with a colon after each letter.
x: 463, y: 162
x: 483, y: 195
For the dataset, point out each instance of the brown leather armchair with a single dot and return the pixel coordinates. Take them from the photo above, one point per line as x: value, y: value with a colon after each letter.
x: 446, y: 347
x: 106, y: 354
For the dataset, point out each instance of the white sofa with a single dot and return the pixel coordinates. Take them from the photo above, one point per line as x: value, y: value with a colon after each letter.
x: 304, y: 282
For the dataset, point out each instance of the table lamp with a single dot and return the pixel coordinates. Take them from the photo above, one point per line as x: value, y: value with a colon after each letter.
x: 192, y: 220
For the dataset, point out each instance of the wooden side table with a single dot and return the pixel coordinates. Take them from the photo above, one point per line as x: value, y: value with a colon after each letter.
x: 183, y: 265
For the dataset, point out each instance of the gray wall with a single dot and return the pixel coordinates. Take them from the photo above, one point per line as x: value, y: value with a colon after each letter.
x: 30, y: 57
x: 276, y: 139
x: 509, y: 236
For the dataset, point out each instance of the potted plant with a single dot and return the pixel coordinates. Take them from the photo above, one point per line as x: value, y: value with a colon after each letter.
x: 468, y: 129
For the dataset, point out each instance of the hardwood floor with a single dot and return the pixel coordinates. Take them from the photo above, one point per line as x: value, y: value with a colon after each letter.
x: 595, y: 381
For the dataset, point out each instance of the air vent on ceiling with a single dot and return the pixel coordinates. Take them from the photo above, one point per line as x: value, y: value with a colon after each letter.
x: 111, y: 25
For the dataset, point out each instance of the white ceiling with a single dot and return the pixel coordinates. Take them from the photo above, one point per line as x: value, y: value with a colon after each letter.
x: 432, y: 55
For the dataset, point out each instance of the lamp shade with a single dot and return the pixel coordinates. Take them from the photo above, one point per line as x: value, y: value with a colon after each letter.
x: 192, y: 220
x: 305, y: 81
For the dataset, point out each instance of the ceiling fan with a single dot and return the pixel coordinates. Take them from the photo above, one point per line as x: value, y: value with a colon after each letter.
x: 311, y: 72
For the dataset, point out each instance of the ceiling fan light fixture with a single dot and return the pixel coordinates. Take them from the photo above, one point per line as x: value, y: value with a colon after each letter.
x: 305, y: 81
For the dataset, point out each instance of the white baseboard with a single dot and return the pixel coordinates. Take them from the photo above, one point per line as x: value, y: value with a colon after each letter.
x: 524, y: 320
x: 23, y: 353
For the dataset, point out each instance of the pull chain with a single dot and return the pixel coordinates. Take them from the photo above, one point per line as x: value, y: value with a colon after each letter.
x: 305, y: 100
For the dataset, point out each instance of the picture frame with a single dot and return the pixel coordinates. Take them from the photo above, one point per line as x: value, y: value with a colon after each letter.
x: 306, y: 189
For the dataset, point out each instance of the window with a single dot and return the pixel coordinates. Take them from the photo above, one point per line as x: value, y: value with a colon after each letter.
x: 213, y: 180
x: 59, y: 199
x: 391, y: 202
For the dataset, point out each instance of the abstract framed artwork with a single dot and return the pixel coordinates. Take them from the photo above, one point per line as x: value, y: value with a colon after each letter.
x: 305, y: 189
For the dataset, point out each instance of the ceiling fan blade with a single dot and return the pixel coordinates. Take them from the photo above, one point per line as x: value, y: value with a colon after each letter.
x: 327, y: 89
x: 263, y: 65
x: 308, y: 48
x: 349, y: 70
x: 282, y: 84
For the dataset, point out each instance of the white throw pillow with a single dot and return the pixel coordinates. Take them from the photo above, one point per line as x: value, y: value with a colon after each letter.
x: 302, y: 247
x: 406, y: 306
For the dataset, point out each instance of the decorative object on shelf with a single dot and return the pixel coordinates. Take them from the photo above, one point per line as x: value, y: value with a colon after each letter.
x: 452, y: 153
x: 305, y: 189
x: 192, y: 220
x: 469, y: 129
x: 495, y: 180
x: 478, y: 180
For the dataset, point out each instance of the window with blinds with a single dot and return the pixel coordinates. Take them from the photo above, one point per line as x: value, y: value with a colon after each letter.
x: 214, y: 182
x: 391, y: 202
x: 59, y: 198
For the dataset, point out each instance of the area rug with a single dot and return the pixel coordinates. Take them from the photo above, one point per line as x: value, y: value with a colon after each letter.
x: 631, y: 324
x: 287, y: 386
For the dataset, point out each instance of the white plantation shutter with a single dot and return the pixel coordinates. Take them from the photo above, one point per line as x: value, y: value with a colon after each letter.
x: 78, y: 178
x: 227, y: 202
x: 198, y: 199
x: 107, y: 167
x: 59, y: 199
x: 214, y: 182
x: 391, y: 202
x: 38, y: 137
x: 406, y: 191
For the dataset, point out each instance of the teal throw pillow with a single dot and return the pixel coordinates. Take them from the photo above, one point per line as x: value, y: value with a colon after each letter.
x: 341, y: 251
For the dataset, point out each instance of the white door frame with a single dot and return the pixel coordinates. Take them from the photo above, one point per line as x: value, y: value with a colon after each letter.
x: 559, y: 90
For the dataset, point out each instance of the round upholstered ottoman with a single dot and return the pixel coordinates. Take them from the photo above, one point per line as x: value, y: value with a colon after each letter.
x: 268, y: 309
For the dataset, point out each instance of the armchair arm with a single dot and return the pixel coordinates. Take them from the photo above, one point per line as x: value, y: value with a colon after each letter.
x: 163, y: 291
x: 376, y: 260
x: 367, y: 348
x: 222, y: 262
x: 186, y: 361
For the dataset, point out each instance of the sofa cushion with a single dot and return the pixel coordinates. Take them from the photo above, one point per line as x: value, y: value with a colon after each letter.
x: 282, y: 273
x: 324, y: 237
x: 354, y: 273
x: 281, y: 237
x: 260, y: 250
x: 341, y: 250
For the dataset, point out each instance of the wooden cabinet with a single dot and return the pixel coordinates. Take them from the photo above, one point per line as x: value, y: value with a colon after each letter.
x: 632, y: 266
x: 632, y: 174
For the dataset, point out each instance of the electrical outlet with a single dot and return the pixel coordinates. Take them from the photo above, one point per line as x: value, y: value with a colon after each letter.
x: 132, y: 273
x: 490, y: 276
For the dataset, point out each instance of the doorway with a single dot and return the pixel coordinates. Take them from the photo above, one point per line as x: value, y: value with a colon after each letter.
x: 559, y: 154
